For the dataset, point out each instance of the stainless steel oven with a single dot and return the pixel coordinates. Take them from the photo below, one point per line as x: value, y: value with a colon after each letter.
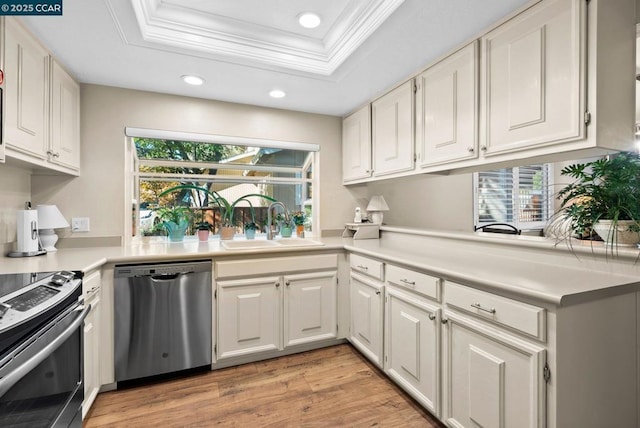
x: 41, y: 318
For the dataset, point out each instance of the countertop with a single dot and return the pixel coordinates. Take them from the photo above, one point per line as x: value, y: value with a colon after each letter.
x: 550, y: 275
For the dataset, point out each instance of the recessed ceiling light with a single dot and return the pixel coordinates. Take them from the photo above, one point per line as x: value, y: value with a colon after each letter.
x: 309, y: 20
x: 193, y: 80
x: 277, y: 93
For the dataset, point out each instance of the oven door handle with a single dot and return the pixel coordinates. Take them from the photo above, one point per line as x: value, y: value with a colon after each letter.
x: 42, y: 352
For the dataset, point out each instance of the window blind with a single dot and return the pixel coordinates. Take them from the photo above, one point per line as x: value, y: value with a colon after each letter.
x: 521, y: 196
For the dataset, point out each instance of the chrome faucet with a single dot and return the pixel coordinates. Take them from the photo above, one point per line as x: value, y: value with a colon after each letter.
x: 271, y: 231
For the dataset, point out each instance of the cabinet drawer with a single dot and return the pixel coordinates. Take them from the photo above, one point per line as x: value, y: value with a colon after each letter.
x: 367, y: 266
x: 91, y: 284
x: 522, y: 317
x: 419, y: 282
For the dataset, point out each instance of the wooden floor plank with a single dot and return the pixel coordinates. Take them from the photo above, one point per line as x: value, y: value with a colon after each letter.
x: 329, y: 387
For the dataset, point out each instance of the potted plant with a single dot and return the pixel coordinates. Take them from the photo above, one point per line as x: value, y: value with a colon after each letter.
x: 204, y: 227
x: 299, y: 217
x: 227, y: 209
x: 175, y: 220
x: 284, y: 227
x: 250, y: 230
x: 604, y: 199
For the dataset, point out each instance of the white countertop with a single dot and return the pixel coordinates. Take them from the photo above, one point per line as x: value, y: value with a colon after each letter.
x: 529, y: 268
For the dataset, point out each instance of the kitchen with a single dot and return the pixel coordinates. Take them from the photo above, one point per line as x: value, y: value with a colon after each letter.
x: 106, y: 110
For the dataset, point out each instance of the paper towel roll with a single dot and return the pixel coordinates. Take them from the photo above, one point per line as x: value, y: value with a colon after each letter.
x: 27, y: 222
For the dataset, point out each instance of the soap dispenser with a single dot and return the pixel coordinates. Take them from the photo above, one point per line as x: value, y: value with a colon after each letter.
x: 358, y: 216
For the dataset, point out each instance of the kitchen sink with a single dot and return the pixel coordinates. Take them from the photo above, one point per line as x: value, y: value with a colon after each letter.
x: 248, y: 244
x: 298, y: 242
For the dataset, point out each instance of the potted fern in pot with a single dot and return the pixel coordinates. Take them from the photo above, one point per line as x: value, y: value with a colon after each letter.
x: 604, y: 199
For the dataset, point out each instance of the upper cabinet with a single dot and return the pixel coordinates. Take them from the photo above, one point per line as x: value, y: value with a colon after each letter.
x: 447, y: 109
x: 554, y: 82
x: 65, y: 118
x: 41, y: 105
x: 356, y: 145
x: 26, y: 92
x: 393, y: 131
x: 534, y: 78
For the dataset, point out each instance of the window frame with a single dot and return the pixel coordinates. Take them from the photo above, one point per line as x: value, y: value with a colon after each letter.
x: 515, y: 191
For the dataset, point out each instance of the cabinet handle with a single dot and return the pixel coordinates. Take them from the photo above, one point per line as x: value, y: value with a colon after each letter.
x: 444, y: 320
x: 480, y: 308
x: 287, y: 283
x: 49, y: 152
x: 378, y: 292
x: 483, y: 148
x: 471, y: 149
x: 432, y: 317
x: 278, y: 284
x: 407, y: 282
x: 362, y: 267
x: 56, y: 155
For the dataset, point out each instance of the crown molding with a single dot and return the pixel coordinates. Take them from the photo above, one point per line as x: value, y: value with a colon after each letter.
x: 180, y: 27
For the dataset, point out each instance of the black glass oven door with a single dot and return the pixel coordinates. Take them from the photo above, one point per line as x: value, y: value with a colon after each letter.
x: 42, y: 385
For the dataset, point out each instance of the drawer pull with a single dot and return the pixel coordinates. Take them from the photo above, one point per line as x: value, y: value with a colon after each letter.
x: 444, y: 320
x: 407, y: 282
x: 479, y: 307
x: 362, y: 267
x: 432, y: 317
x: 378, y: 292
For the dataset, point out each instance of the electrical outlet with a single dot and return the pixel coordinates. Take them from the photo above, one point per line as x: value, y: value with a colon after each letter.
x: 80, y: 224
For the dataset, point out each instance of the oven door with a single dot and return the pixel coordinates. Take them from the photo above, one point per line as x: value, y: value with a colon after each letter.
x: 42, y: 385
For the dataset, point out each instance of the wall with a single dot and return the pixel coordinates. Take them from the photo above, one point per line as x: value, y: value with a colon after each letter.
x: 422, y: 201
x: 15, y: 190
x: 106, y: 111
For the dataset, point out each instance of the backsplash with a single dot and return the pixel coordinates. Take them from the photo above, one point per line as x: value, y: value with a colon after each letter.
x: 15, y: 190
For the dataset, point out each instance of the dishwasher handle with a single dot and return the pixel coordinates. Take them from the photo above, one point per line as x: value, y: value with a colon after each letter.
x: 168, y: 276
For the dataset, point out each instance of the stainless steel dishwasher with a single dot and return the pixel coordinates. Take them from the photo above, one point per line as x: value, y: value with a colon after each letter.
x: 162, y: 318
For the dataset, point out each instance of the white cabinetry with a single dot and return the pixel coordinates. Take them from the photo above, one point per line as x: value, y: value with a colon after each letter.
x: 26, y: 92
x: 356, y: 145
x: 393, y: 131
x: 265, y: 305
x: 249, y: 316
x: 310, y: 307
x: 447, y: 109
x: 492, y: 379
x: 534, y: 78
x: 412, y: 346
x: 91, y: 288
x: 367, y: 316
x: 41, y: 106
x: 65, y: 119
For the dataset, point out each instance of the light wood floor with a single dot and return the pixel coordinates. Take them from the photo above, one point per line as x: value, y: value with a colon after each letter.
x: 330, y: 387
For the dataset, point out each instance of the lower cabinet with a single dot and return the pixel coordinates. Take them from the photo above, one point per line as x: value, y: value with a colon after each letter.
x: 491, y: 379
x: 366, y: 297
x: 412, y: 346
x: 249, y: 316
x: 271, y: 312
x: 91, y: 338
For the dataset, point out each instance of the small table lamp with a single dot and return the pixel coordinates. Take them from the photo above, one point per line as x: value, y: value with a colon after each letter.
x: 376, y: 206
x: 49, y: 218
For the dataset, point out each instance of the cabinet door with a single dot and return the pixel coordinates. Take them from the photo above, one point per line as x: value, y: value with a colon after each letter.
x: 356, y: 145
x: 393, y: 132
x: 65, y: 118
x: 249, y: 316
x: 310, y: 307
x: 492, y: 379
x: 412, y: 346
x: 26, y: 92
x: 447, y: 109
x: 366, y: 317
x: 534, y: 78
x: 91, y: 369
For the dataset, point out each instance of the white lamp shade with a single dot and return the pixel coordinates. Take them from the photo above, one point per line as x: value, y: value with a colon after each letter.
x: 50, y: 217
x: 377, y: 203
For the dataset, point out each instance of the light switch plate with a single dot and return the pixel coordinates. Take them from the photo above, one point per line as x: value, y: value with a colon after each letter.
x: 80, y: 224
